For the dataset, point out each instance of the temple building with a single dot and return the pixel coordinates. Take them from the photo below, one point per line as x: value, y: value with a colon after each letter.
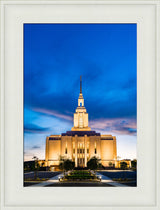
x: 81, y: 143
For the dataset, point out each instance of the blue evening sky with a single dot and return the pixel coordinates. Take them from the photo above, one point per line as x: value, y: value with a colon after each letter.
x: 55, y: 55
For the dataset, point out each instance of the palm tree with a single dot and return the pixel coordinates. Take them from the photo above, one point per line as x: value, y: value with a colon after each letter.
x: 36, y: 166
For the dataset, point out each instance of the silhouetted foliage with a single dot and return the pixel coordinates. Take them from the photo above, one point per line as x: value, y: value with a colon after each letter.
x: 42, y: 164
x: 123, y: 165
x: 134, y: 164
x: 66, y: 164
x: 93, y: 163
x: 36, y: 167
x: 29, y: 166
x: 110, y: 164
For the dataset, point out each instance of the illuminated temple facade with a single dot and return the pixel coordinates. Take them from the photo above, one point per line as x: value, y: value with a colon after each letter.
x: 81, y: 143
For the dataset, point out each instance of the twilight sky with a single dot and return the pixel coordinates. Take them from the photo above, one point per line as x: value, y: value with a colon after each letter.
x: 55, y: 55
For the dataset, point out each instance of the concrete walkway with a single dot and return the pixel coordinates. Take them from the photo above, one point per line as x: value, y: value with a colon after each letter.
x: 29, y: 173
x: 48, y: 182
x: 106, y: 179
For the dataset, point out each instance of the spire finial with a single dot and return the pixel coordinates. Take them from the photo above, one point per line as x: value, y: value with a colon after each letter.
x: 80, y: 84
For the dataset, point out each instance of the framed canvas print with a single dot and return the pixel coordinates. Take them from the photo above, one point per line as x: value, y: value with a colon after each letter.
x: 82, y: 154
x: 80, y: 105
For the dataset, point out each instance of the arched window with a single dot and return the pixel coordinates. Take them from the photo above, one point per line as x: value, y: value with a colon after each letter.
x: 80, y: 103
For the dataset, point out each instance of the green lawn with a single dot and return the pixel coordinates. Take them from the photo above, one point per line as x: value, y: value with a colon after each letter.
x: 80, y: 176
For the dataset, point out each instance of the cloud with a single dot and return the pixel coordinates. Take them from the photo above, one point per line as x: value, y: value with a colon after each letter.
x: 36, y: 147
x: 121, y: 126
x: 31, y: 128
x: 53, y: 113
x: 107, y: 63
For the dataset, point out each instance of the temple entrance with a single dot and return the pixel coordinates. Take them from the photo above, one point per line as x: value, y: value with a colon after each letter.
x: 81, y: 162
x: 80, y: 155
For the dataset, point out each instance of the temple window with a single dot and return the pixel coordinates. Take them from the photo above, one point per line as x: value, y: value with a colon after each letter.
x: 95, y: 149
x: 66, y: 148
x: 87, y: 147
x: 73, y: 148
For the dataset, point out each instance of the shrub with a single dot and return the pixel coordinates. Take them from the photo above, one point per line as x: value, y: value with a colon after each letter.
x: 123, y: 165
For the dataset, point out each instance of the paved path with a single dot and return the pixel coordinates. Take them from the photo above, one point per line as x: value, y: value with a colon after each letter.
x: 28, y: 173
x: 106, y: 179
x: 48, y: 182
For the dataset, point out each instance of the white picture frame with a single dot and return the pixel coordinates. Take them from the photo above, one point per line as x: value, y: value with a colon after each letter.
x: 147, y: 15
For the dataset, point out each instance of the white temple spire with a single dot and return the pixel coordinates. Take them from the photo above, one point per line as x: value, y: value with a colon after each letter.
x: 80, y: 84
x: 80, y: 99
x: 81, y: 115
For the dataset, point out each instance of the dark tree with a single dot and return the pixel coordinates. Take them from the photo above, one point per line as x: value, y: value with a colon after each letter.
x: 110, y: 164
x: 66, y: 164
x: 134, y: 164
x: 42, y: 165
x: 29, y: 166
x: 123, y: 165
x: 93, y: 163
